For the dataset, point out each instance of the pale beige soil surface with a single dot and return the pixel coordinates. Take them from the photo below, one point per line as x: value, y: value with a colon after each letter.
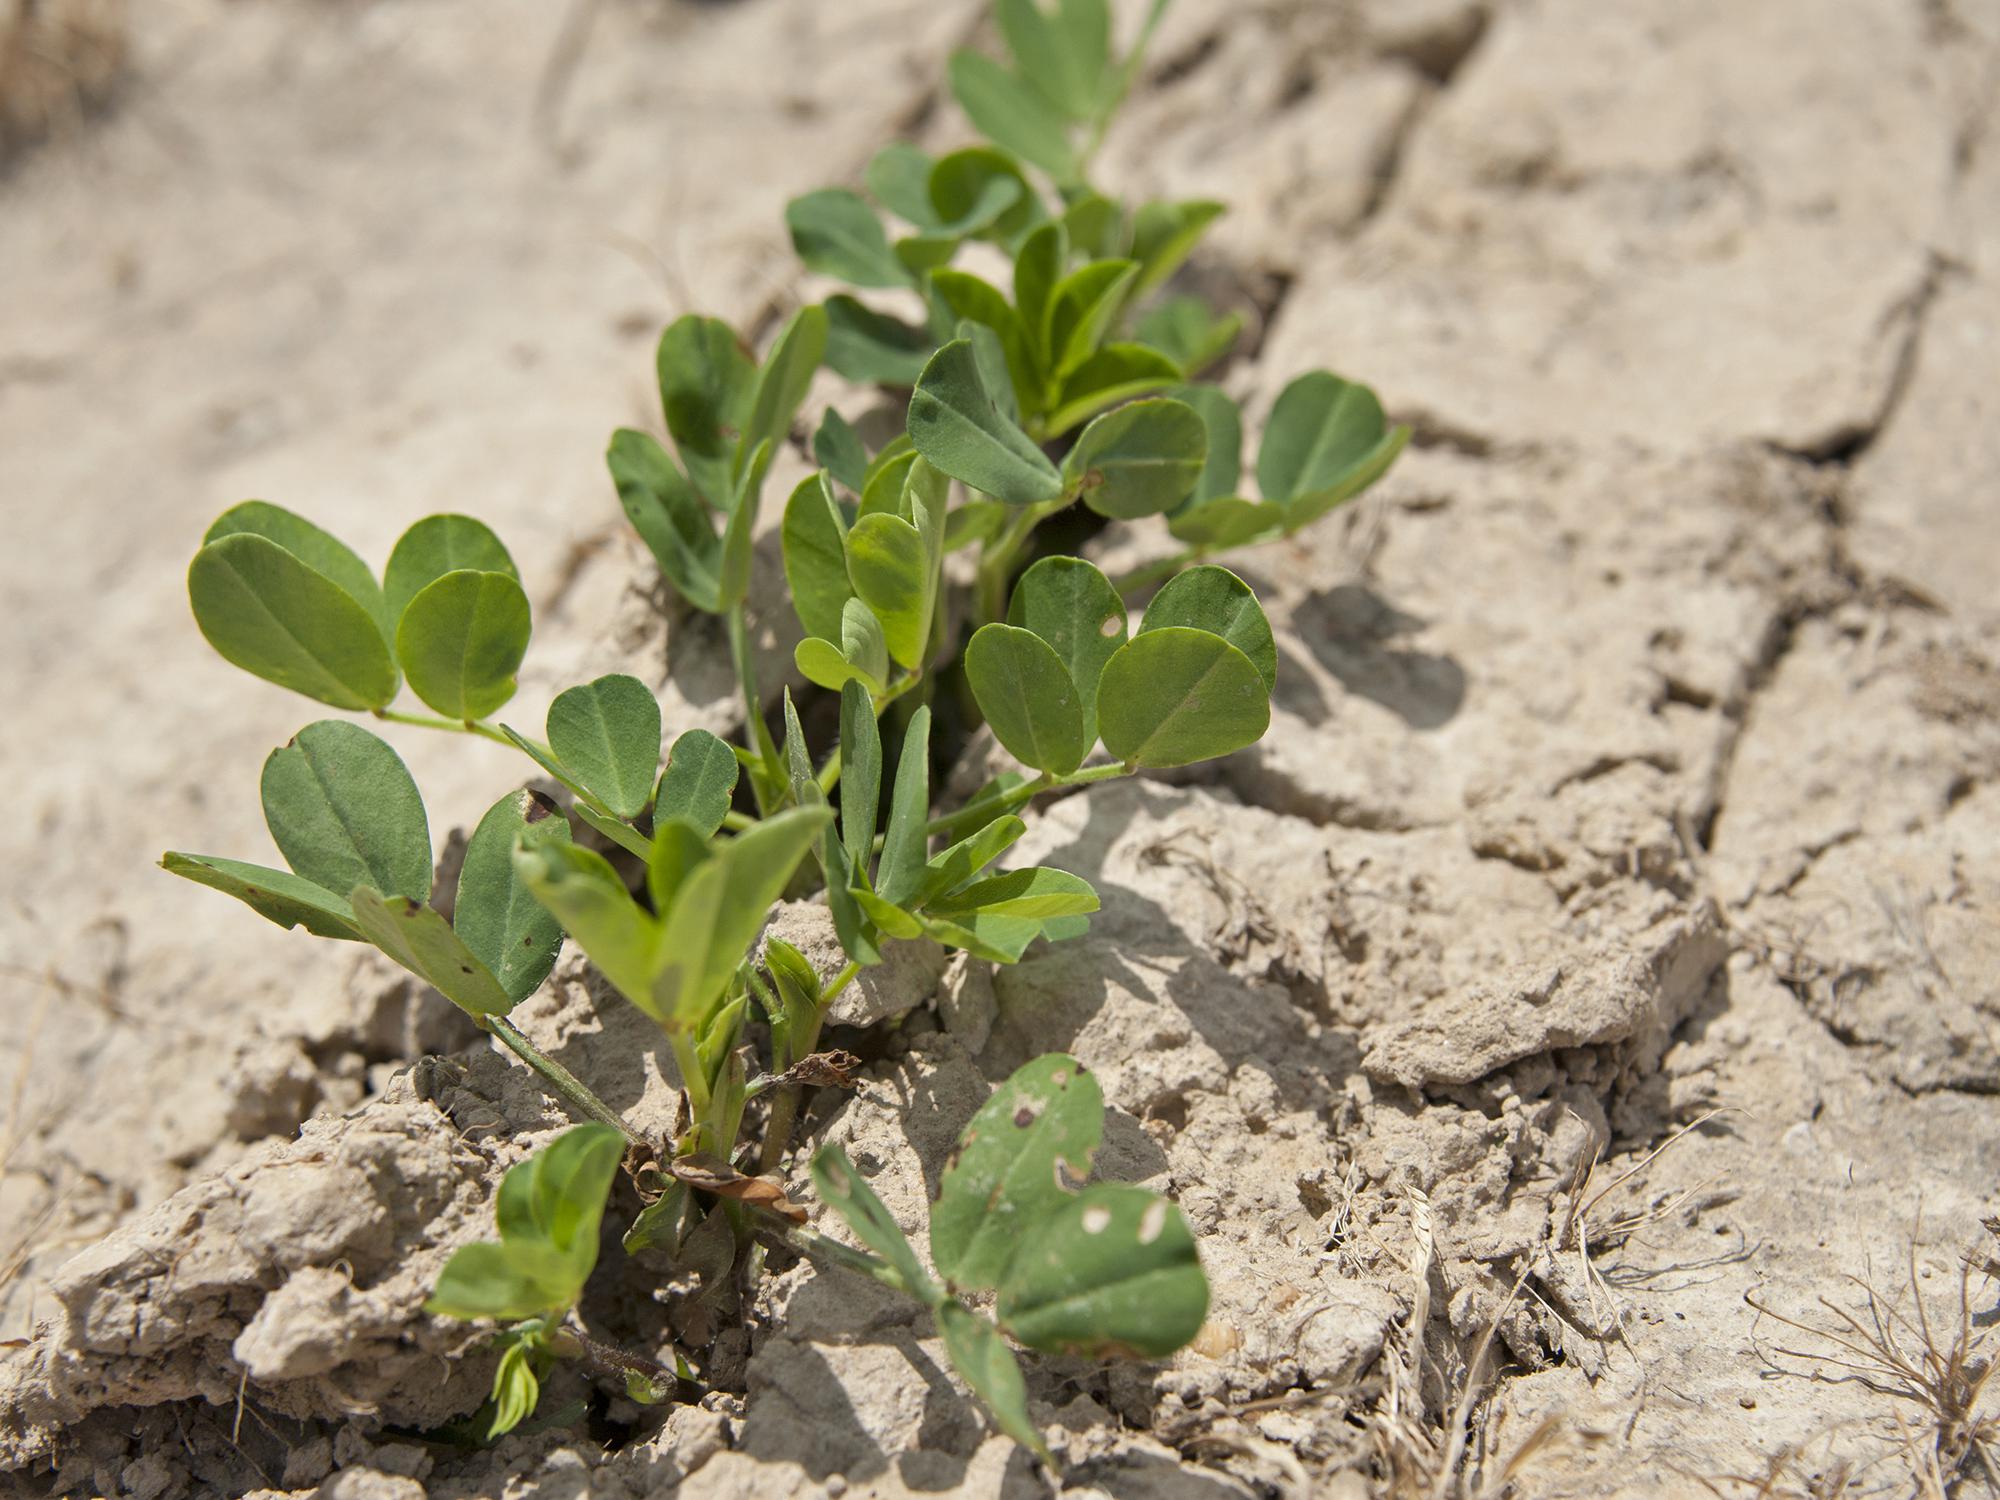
x: 1635, y: 761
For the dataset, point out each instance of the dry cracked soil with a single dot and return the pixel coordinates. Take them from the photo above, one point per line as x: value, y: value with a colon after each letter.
x: 1585, y: 997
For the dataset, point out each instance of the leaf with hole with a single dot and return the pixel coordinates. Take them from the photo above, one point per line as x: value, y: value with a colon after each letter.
x: 957, y: 426
x: 461, y: 641
x: 1006, y: 1176
x: 1026, y: 694
x: 1071, y: 605
x: 837, y: 234
x: 1112, y: 1272
x: 607, y: 735
x: 344, y: 811
x: 1139, y: 460
x: 1173, y: 696
x: 1215, y: 599
x: 274, y: 616
x: 494, y: 914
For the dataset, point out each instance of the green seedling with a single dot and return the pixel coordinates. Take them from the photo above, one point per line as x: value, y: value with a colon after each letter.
x: 1108, y: 1271
x: 547, y: 1211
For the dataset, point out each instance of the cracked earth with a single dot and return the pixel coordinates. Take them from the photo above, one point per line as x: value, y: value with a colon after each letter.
x: 1597, y: 965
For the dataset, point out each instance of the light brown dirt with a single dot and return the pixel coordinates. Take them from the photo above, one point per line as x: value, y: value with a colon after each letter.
x: 1635, y: 763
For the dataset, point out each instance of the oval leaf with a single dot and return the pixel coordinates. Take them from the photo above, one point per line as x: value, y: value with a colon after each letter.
x: 344, y: 811
x: 814, y: 537
x: 1173, y: 696
x: 1113, y: 1272
x: 1222, y: 420
x: 419, y: 939
x: 1115, y: 373
x: 270, y: 614
x: 1139, y: 460
x: 668, y: 515
x: 705, y: 380
x: 1071, y: 605
x: 1321, y: 428
x: 590, y: 900
x: 1037, y: 892
x: 1005, y: 1176
x: 277, y: 895
x: 438, y: 545
x: 494, y: 913
x: 959, y: 429
x: 321, y: 551
x: 873, y: 348
x: 985, y: 1363
x: 1012, y: 114
x: 1026, y: 694
x: 838, y: 235
x: 607, y: 735
x: 1215, y: 599
x: 890, y: 568
x: 699, y: 782
x: 462, y: 639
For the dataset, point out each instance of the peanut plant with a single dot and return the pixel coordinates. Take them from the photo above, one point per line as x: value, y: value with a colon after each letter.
x: 1073, y: 393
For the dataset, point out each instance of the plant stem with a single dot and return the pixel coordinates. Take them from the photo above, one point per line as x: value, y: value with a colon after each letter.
x: 561, y: 1082
x: 756, y: 733
x: 1013, y: 797
x: 810, y: 1242
x: 838, y: 983
x: 607, y: 1361
x: 438, y: 721
x: 784, y: 1111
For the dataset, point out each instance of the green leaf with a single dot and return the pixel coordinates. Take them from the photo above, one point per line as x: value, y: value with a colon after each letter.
x: 873, y: 348
x: 997, y: 939
x: 924, y: 253
x: 782, y: 381
x: 1163, y: 235
x: 1005, y: 369
x: 798, y: 760
x: 607, y: 735
x: 1083, y: 309
x: 1173, y: 696
x: 1037, y: 269
x: 987, y: 1365
x: 1036, y: 892
x: 887, y: 560
x: 839, y: 450
x: 344, y: 811
x: 461, y: 641
x: 1323, y: 431
x: 1139, y: 460
x: 718, y: 910
x: 843, y: 1189
x: 978, y: 520
x: 272, y: 615
x: 699, y: 782
x: 1005, y: 1178
x: 1113, y: 1272
x: 1115, y: 373
x: 863, y: 643
x: 1223, y: 422
x: 958, y: 428
x: 324, y: 553
x: 556, y: 1197
x: 966, y: 858
x: 1096, y: 225
x: 980, y: 191
x: 438, y: 545
x: 894, y: 921
x: 1071, y: 605
x: 420, y: 939
x: 1047, y: 57
x: 1371, y: 467
x: 679, y: 849
x: 860, y: 773
x: 590, y: 900
x: 1025, y: 692
x: 515, y: 1391
x: 1011, y: 114
x: 882, y: 488
x: 739, y: 536
x: 277, y: 895
x: 905, y: 847
x: 1227, y: 522
x: 814, y: 535
x: 822, y: 664
x: 837, y: 234
x: 668, y: 515
x: 705, y: 380
x: 1188, y: 331
x: 494, y: 914
x: 482, y: 1281
x: 899, y: 175
x: 985, y: 805
x: 1215, y: 599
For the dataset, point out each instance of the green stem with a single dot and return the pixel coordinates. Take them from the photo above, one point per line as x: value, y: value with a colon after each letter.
x: 455, y: 726
x: 736, y: 822
x: 561, y: 1082
x: 811, y: 1243
x: 785, y: 1107
x: 756, y: 733
x: 978, y: 814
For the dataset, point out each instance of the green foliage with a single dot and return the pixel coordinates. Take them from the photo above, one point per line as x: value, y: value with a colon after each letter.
x: 1110, y: 1271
